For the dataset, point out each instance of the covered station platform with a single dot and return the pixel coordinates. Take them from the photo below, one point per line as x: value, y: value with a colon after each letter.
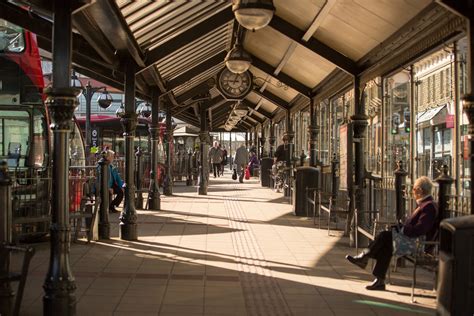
x: 237, y: 251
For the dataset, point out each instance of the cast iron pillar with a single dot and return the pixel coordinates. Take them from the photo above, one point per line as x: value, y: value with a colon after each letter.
x: 154, y: 199
x: 246, y: 140
x: 128, y: 218
x: 290, y: 135
x: 104, y: 225
x: 359, y: 125
x: 263, y: 141
x: 256, y: 143
x: 272, y: 139
x: 61, y: 101
x: 400, y: 190
x: 291, y: 148
x: 444, y: 186
x: 313, y: 131
x: 138, y: 178
x: 204, y: 163
x: 168, y: 182
x: 6, y: 292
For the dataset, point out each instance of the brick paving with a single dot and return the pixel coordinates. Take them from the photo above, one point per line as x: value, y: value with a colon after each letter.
x: 237, y: 251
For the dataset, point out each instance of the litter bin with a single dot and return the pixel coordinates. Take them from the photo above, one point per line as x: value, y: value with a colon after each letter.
x: 456, y: 267
x: 306, y: 177
x: 265, y: 171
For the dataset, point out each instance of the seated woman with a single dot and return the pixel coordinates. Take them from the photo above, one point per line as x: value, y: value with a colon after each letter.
x: 424, y: 221
x: 253, y: 162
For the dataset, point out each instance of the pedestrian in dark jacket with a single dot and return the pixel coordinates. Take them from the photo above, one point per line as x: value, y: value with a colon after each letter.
x: 423, y: 222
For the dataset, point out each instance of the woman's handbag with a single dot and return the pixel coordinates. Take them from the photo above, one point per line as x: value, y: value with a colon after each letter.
x: 234, y: 174
x: 402, y: 245
x: 247, y: 173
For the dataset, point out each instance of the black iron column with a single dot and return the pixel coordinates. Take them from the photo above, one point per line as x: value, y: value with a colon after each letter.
x: 6, y: 292
x: 400, y: 190
x: 204, y: 163
x: 246, y: 140
x: 359, y: 125
x: 313, y: 130
x: 104, y: 225
x: 230, y: 149
x: 291, y: 146
x: 128, y: 218
x: 59, y: 297
x: 272, y: 139
x: 290, y: 135
x: 250, y: 139
x: 138, y: 178
x: 154, y: 201
x: 168, y: 182
x: 256, y: 143
x: 263, y: 140
x: 444, y: 182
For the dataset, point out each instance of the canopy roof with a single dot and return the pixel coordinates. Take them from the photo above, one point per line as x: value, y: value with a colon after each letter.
x: 180, y: 46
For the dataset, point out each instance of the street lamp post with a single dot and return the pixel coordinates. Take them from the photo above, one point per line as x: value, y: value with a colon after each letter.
x: 104, y: 100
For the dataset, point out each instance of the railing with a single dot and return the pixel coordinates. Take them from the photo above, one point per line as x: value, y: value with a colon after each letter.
x: 31, y: 206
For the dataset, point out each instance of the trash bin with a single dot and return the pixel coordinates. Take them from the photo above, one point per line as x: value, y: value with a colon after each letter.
x: 266, y: 171
x: 305, y: 177
x: 456, y: 267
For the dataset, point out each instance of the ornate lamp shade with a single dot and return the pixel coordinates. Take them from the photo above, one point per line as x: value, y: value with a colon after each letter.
x: 238, y: 60
x: 240, y: 110
x: 76, y: 83
x: 120, y: 110
x: 253, y: 14
x: 105, y: 99
x: 144, y: 110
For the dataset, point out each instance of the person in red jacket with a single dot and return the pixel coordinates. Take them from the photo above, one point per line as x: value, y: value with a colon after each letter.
x: 424, y: 221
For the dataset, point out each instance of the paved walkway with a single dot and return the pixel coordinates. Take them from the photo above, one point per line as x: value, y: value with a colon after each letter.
x: 237, y: 251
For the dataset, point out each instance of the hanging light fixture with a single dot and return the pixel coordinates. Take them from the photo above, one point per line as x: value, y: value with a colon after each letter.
x: 144, y: 110
x: 253, y: 14
x: 240, y: 110
x: 238, y: 60
x: 105, y: 99
x: 120, y: 110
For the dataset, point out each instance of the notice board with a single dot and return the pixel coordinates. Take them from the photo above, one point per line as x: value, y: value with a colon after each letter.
x: 345, y: 156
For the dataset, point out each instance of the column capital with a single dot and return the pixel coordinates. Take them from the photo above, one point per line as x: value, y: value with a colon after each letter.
x: 129, y: 122
x: 61, y: 103
x: 359, y: 124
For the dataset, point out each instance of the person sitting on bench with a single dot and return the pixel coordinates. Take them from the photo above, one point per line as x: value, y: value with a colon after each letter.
x: 401, y: 240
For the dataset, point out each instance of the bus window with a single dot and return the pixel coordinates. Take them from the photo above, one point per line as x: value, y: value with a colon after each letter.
x: 14, y: 126
x: 11, y: 38
x: 76, y: 148
x: 38, y: 152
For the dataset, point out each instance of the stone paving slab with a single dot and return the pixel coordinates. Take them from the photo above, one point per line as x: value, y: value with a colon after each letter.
x: 237, y: 251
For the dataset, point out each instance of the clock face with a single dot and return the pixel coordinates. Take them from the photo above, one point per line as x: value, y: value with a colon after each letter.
x: 234, y: 86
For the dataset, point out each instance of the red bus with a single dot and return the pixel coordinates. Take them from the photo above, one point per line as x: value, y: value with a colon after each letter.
x: 25, y: 138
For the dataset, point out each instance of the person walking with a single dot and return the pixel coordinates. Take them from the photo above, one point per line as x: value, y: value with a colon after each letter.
x: 224, y: 160
x: 241, y: 160
x: 215, y: 157
x: 401, y: 240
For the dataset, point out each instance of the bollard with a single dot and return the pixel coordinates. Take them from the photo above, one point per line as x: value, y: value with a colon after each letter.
x: 6, y: 292
x: 444, y: 182
x: 104, y: 226
x: 138, y: 179
x: 400, y: 190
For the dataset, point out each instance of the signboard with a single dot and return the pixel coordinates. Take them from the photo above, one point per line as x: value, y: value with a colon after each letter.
x: 94, y: 141
x: 344, y: 156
